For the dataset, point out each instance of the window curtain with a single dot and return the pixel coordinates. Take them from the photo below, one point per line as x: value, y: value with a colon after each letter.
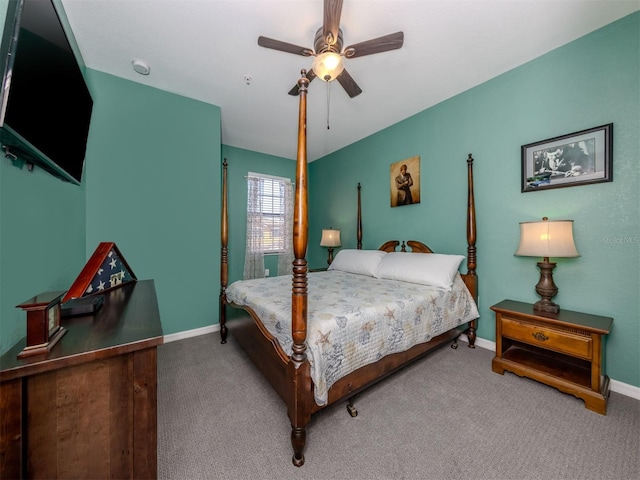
x: 254, y: 256
x: 286, y: 257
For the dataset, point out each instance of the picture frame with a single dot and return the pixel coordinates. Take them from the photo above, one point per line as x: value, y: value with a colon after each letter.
x: 578, y: 158
x: 404, y: 182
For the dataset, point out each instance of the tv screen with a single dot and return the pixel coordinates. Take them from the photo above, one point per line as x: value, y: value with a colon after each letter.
x: 48, y: 107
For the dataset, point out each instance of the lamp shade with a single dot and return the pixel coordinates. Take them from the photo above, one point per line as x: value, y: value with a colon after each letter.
x: 330, y: 238
x: 548, y: 238
x: 328, y: 65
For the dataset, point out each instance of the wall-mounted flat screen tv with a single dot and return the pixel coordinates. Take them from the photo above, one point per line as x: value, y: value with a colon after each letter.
x: 48, y: 105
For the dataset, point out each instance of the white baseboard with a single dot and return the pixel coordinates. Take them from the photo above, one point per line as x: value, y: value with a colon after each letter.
x: 616, y: 386
x: 625, y: 389
x: 191, y: 333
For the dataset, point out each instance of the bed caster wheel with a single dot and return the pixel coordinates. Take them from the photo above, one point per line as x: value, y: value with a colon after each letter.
x: 454, y: 345
x: 350, y: 408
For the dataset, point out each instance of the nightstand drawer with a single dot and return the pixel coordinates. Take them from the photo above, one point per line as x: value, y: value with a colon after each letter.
x: 570, y: 341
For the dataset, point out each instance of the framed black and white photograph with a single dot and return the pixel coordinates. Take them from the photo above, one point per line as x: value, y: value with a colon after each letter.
x: 578, y: 158
x: 404, y: 177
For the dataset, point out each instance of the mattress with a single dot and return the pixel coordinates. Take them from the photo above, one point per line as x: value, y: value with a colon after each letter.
x: 354, y: 320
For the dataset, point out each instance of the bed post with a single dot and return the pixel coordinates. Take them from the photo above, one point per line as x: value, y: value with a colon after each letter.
x: 298, y: 406
x: 471, y: 247
x: 224, y: 256
x: 359, y: 228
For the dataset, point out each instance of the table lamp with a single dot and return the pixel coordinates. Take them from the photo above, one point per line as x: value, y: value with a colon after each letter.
x: 330, y: 238
x: 547, y: 238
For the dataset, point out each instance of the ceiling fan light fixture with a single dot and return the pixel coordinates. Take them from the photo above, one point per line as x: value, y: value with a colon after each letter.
x: 328, y: 65
x: 327, y: 44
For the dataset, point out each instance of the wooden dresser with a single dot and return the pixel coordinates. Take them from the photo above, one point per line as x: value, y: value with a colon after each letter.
x: 564, y: 350
x: 87, y: 408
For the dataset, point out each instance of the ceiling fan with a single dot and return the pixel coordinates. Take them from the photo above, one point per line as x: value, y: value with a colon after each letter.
x: 328, y: 52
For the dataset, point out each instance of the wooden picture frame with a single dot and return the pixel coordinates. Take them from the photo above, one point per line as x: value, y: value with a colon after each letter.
x: 404, y: 180
x: 579, y: 158
x: 106, y: 269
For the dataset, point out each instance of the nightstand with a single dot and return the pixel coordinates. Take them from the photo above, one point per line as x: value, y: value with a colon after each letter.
x: 564, y: 350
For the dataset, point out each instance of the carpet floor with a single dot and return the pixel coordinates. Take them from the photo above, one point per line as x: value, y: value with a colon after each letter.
x: 448, y: 416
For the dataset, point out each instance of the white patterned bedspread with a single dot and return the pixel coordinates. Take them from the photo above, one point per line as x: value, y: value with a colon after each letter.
x: 354, y: 320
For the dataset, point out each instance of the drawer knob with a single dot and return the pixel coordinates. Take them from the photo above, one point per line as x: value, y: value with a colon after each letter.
x: 540, y: 336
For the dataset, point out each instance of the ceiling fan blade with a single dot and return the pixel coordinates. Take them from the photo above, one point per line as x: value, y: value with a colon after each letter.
x: 296, y: 90
x: 392, y: 41
x: 284, y: 46
x: 349, y: 84
x: 331, y: 23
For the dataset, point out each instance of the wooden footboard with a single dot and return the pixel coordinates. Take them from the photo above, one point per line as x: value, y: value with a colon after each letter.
x: 290, y: 375
x: 263, y: 350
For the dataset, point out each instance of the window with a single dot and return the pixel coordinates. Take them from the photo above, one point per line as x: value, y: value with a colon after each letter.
x: 269, y: 224
x: 268, y: 209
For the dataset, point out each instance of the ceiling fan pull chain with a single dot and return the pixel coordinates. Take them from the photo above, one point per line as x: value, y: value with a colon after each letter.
x: 328, y: 101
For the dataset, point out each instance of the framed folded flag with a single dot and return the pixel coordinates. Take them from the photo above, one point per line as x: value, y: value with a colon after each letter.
x: 106, y: 269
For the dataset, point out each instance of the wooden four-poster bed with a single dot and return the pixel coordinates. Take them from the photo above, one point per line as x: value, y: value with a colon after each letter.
x: 290, y: 351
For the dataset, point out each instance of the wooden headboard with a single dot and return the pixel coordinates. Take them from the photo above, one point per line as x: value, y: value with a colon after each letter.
x: 415, y: 246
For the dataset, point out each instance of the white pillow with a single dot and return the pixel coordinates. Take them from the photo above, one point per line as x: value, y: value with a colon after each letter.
x: 435, y: 269
x: 362, y: 262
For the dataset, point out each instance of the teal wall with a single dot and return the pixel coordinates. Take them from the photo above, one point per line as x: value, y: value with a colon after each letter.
x: 590, y: 82
x: 42, y: 225
x: 153, y: 183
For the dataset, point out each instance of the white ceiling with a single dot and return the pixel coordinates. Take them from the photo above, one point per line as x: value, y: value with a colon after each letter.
x: 203, y: 49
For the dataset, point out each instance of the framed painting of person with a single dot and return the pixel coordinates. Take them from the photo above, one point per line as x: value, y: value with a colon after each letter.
x: 404, y: 177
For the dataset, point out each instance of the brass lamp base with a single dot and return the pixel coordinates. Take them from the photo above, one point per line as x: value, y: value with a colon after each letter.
x: 546, y: 288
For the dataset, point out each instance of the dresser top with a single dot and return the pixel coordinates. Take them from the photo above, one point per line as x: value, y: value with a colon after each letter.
x: 129, y: 320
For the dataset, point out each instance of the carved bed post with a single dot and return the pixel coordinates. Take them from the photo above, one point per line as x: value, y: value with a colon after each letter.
x: 224, y: 256
x: 359, y: 228
x: 299, y: 408
x: 471, y: 246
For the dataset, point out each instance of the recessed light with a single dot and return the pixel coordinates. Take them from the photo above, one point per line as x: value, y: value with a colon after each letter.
x: 141, y: 67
